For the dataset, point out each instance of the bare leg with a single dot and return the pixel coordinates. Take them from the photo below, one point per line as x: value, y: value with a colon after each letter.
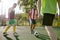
x: 50, y: 32
x: 32, y: 28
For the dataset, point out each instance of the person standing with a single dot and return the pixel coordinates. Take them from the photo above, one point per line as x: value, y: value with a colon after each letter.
x: 32, y: 17
x: 11, y: 14
x: 49, y: 9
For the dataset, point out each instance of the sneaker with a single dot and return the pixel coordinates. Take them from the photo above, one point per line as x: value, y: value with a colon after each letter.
x: 15, y: 33
x: 32, y: 31
x: 5, y: 33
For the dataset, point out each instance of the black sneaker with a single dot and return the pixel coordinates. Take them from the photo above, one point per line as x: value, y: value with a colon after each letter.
x: 32, y: 31
x: 15, y: 33
x: 5, y: 33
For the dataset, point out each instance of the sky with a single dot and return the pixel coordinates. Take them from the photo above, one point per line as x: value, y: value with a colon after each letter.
x: 6, y: 4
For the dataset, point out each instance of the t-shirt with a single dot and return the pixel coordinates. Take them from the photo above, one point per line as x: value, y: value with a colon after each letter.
x: 49, y: 6
x: 33, y: 13
x: 11, y: 13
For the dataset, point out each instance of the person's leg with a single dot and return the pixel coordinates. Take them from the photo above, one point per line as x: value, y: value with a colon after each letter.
x: 32, y: 30
x: 14, y: 29
x: 14, y: 26
x: 47, y: 21
x: 7, y: 28
x: 34, y: 22
x: 32, y: 25
x: 50, y: 32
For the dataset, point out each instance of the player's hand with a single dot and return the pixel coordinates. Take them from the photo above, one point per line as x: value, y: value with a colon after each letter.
x: 40, y: 17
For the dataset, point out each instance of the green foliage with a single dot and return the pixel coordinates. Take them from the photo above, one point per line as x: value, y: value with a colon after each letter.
x: 21, y: 18
x: 28, y: 4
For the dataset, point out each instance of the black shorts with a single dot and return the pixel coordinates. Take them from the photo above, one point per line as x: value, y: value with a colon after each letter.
x: 48, y: 19
x: 33, y: 21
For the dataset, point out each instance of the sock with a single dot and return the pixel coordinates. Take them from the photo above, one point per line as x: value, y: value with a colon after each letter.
x: 14, y: 29
x: 6, y: 29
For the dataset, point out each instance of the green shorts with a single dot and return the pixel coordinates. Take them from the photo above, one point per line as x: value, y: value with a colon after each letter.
x: 12, y: 22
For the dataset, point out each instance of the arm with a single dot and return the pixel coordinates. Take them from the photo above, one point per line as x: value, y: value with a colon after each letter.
x: 59, y: 9
x: 39, y: 9
x: 29, y: 13
x: 58, y: 3
x: 39, y: 6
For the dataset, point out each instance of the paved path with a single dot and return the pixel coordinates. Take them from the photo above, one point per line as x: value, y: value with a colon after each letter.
x: 24, y: 34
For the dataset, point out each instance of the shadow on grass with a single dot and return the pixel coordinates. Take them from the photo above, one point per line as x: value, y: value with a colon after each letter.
x: 58, y: 39
x: 8, y: 38
x: 17, y: 37
x: 43, y: 37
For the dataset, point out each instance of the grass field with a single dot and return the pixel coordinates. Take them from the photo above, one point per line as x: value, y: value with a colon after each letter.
x: 24, y: 33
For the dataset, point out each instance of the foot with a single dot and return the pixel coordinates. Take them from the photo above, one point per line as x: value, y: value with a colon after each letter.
x: 15, y: 34
x: 32, y: 31
x: 5, y: 33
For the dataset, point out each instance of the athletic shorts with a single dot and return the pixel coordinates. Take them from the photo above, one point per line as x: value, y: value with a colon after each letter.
x: 11, y: 22
x: 32, y: 21
x: 48, y: 19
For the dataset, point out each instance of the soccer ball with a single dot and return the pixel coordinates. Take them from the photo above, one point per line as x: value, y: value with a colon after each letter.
x: 36, y: 34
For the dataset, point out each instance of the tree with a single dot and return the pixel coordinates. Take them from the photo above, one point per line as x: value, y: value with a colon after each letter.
x: 18, y: 17
x: 28, y: 4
